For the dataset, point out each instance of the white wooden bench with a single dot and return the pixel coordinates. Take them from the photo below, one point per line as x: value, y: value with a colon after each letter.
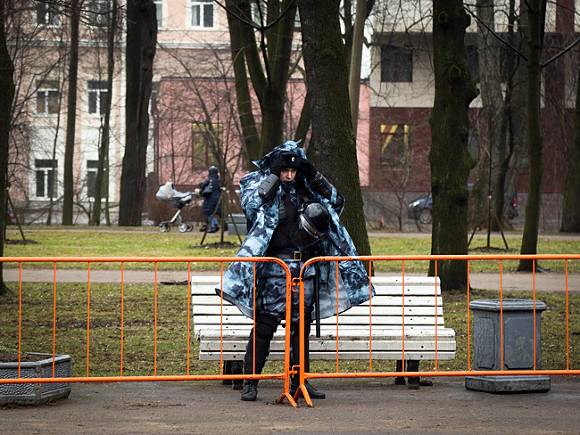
x: 423, y: 319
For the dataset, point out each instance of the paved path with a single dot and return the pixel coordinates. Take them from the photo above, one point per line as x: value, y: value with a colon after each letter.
x: 352, y: 406
x: 511, y: 281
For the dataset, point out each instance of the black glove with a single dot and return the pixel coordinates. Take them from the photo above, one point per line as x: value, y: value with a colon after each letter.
x: 276, y: 165
x: 281, y: 161
x: 308, y: 170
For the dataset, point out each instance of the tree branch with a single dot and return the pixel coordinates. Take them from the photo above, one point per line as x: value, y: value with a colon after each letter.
x: 495, y: 35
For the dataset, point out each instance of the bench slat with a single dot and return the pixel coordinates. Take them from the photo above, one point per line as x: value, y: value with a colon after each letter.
x: 202, y: 320
x: 380, y: 310
x: 394, y: 355
x: 351, y: 333
x: 415, y: 290
x: 317, y: 345
x: 421, y: 296
x: 379, y: 300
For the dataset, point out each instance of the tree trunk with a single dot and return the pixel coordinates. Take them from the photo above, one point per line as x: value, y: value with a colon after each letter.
x: 449, y: 157
x: 535, y: 34
x: 68, y: 180
x: 491, y: 114
x: 243, y: 99
x: 103, y: 165
x: 333, y: 148
x: 140, y: 52
x: 571, y: 208
x: 502, y: 191
x: 355, y: 61
x: 269, y: 74
x: 6, y: 97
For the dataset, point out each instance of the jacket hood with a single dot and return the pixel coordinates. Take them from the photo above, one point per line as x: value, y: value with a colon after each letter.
x: 289, y: 147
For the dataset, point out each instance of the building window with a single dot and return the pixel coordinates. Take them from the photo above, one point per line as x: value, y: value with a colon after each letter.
x: 159, y: 12
x: 473, y: 62
x: 202, y: 13
x: 395, y: 144
x: 92, y: 168
x: 396, y: 64
x: 260, y: 16
x: 97, y: 96
x: 98, y: 13
x: 46, y: 176
x: 203, y: 143
x: 47, y: 14
x: 47, y: 97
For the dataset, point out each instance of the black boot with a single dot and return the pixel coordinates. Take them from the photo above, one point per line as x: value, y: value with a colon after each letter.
x: 250, y: 391
x: 295, y: 359
x: 264, y: 333
x: 400, y: 380
x: 416, y: 381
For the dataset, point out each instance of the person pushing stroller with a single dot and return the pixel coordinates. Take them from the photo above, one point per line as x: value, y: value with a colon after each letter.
x: 210, y: 190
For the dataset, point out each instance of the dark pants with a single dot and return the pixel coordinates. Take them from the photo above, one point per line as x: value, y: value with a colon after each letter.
x: 263, y: 333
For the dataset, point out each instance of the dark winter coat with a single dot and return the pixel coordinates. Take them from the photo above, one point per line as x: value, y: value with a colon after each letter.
x: 354, y: 284
x: 210, y: 200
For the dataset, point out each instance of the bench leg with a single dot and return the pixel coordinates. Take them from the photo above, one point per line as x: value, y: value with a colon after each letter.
x: 399, y: 380
x: 237, y: 368
x: 414, y: 381
x: 233, y: 368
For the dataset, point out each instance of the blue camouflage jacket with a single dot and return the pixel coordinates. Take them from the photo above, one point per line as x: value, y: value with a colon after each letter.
x: 354, y: 284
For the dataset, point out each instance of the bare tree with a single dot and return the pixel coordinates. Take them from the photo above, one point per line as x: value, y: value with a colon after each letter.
x: 450, y: 160
x: 140, y: 51
x: 333, y: 145
x: 267, y: 62
x: 103, y: 161
x: 536, y: 11
x: 571, y: 209
x: 68, y: 197
x: 6, y: 97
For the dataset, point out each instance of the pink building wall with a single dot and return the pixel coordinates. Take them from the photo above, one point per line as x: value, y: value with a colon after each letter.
x: 183, y: 103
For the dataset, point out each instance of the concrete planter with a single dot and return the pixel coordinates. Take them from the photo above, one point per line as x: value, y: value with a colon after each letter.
x: 35, y: 394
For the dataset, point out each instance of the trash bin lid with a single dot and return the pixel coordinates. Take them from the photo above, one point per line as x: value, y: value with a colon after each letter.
x: 507, y: 305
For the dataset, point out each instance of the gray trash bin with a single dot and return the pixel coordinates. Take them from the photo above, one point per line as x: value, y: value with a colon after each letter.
x: 518, y: 331
x: 240, y: 221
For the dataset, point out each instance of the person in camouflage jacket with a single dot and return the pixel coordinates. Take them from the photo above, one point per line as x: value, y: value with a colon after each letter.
x: 272, y: 207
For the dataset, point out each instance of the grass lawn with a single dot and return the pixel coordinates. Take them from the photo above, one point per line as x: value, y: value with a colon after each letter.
x: 105, y: 314
x: 114, y: 242
x: 105, y: 329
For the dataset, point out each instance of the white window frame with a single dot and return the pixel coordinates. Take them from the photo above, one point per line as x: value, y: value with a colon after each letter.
x: 92, y: 168
x: 44, y: 90
x: 51, y: 16
x: 201, y: 4
x: 255, y: 16
x: 47, y: 169
x: 98, y: 13
x: 160, y: 9
x: 98, y: 88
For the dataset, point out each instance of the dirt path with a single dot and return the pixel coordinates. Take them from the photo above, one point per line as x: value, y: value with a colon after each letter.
x: 363, y: 406
x: 511, y: 281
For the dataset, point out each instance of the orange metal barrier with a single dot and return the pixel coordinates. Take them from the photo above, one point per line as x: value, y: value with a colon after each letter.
x: 290, y: 286
x: 302, y: 391
x: 123, y: 377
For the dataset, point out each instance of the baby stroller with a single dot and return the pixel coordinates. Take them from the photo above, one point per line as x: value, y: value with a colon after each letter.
x: 168, y: 193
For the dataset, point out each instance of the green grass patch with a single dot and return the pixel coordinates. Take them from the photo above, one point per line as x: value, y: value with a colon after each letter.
x: 104, y: 351
x: 171, y: 329
x: 149, y: 242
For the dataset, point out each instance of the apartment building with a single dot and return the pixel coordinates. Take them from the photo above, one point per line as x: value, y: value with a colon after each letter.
x: 193, y: 94
x: 401, y: 86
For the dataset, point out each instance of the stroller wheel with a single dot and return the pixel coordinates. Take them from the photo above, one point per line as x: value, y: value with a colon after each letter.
x: 185, y: 228
x: 164, y: 227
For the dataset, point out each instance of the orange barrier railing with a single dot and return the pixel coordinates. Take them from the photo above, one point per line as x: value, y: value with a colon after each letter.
x: 436, y: 259
x: 284, y: 374
x: 291, y: 284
